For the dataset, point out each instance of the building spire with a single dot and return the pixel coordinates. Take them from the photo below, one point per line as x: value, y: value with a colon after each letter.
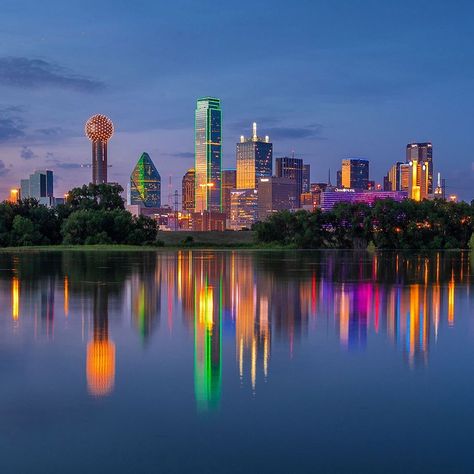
x: 254, y: 131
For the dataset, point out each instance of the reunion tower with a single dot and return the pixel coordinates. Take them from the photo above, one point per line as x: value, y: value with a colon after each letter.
x: 99, y: 129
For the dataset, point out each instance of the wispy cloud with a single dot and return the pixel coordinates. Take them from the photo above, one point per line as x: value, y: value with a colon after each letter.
x: 61, y: 163
x: 33, y: 73
x: 182, y: 154
x: 3, y: 169
x: 27, y: 153
x: 307, y: 131
x: 11, y: 123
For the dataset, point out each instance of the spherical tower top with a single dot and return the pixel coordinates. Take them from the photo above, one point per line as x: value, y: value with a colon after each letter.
x: 99, y: 127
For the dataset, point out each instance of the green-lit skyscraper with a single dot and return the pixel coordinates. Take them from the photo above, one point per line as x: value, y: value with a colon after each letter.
x: 145, y: 183
x: 208, y: 154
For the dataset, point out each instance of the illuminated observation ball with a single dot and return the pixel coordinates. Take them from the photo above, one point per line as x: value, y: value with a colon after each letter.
x: 99, y: 127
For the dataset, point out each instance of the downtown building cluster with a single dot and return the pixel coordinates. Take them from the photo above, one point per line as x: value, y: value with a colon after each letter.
x: 213, y: 198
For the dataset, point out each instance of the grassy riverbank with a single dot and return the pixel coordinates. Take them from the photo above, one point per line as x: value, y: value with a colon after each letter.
x: 169, y: 240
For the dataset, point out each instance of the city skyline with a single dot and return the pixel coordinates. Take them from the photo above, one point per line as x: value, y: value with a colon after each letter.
x: 353, y: 85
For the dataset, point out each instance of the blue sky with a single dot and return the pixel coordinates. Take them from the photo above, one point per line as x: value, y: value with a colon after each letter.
x: 325, y: 79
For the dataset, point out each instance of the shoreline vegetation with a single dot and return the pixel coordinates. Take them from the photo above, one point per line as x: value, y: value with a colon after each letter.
x: 94, y: 218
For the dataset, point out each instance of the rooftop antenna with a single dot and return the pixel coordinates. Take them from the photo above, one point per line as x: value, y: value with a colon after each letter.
x: 329, y: 177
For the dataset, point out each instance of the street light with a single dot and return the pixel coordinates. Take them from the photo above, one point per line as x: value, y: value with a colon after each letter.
x: 205, y: 185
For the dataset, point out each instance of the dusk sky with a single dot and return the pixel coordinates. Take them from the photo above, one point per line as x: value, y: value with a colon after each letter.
x: 325, y: 79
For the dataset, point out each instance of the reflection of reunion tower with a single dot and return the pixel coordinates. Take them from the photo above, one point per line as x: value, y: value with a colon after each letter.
x: 99, y: 129
x: 100, y: 351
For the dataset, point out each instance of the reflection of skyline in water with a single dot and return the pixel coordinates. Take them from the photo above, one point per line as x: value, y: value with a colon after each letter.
x: 254, y: 299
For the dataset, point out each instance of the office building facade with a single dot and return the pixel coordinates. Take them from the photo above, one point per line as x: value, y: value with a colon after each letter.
x: 188, y: 190
x: 243, y: 208
x: 329, y: 199
x: 208, y: 154
x: 145, y: 183
x: 306, y: 186
x: 422, y: 153
x: 291, y: 168
x: 355, y: 174
x: 229, y: 180
x: 276, y: 194
x: 254, y: 158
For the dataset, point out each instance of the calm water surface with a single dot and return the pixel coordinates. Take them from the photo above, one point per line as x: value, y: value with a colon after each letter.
x: 236, y: 362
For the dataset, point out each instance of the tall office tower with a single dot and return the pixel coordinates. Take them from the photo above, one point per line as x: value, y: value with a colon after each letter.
x: 229, y: 179
x: 422, y: 153
x: 38, y: 186
x: 418, y: 180
x: 338, y: 179
x: 254, y: 160
x: 306, y: 178
x: 24, y: 188
x: 99, y: 129
x: 275, y: 194
x: 145, y: 183
x: 394, y: 177
x: 355, y: 173
x: 243, y: 208
x: 41, y: 184
x: 405, y: 171
x: 291, y: 168
x: 208, y: 154
x: 187, y: 192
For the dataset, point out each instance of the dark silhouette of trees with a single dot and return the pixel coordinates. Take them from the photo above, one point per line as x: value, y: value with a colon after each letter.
x: 93, y: 214
x: 388, y: 225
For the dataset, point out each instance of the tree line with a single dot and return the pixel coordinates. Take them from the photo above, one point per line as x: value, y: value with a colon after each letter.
x: 387, y: 224
x: 91, y: 214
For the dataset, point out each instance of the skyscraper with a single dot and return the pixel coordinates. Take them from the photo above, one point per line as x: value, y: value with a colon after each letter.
x: 254, y: 159
x: 228, y: 184
x: 418, y: 180
x: 275, y: 194
x: 291, y: 168
x: 188, y: 185
x: 145, y: 183
x: 355, y: 174
x: 306, y: 178
x: 422, y: 153
x: 39, y: 186
x: 208, y: 154
x: 99, y: 129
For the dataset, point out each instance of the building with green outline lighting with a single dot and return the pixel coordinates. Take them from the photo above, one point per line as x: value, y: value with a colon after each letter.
x: 208, y: 154
x: 145, y: 183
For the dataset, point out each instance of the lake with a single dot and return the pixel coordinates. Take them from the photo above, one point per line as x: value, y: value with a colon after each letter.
x: 200, y: 361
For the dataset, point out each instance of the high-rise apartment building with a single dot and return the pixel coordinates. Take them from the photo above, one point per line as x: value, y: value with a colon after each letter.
x: 228, y: 183
x: 291, y: 168
x: 355, y: 174
x: 99, y: 129
x: 306, y: 178
x: 188, y: 190
x: 145, y: 183
x: 276, y: 194
x: 208, y: 154
x: 254, y: 160
x: 422, y: 153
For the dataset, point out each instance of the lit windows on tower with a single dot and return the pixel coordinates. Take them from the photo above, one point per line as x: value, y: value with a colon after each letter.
x: 145, y: 183
x: 208, y: 154
x: 254, y: 160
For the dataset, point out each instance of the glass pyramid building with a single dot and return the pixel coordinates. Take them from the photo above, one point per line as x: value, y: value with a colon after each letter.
x: 145, y: 183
